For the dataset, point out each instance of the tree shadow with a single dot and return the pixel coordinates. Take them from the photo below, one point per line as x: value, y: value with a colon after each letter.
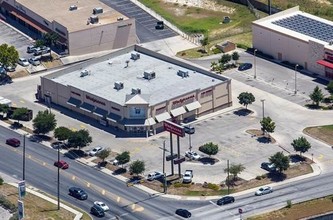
x: 264, y: 140
x: 119, y: 171
x: 276, y: 176
x: 242, y: 112
x: 313, y: 106
x: 75, y: 154
x: 208, y: 160
x: 295, y: 158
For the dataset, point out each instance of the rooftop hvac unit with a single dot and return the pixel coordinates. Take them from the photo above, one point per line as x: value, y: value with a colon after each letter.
x: 120, y: 18
x: 72, y: 7
x: 149, y: 74
x: 94, y: 19
x: 183, y: 73
x: 136, y: 91
x: 330, y: 42
x: 135, y: 56
x: 84, y: 73
x: 98, y: 10
x: 118, y: 85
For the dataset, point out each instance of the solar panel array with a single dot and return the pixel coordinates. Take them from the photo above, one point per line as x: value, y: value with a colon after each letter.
x: 307, y: 26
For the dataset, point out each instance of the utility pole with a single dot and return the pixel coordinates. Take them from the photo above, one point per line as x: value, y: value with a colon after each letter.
x: 24, y: 157
x: 263, y: 108
x: 164, y: 181
x: 171, y: 151
x: 296, y: 78
x: 58, y: 179
x: 255, y: 63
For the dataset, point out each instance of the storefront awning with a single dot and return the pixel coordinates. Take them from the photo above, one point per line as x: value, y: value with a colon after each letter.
x: 32, y: 24
x: 87, y: 107
x: 74, y: 102
x: 162, y: 117
x: 113, y: 117
x: 192, y: 106
x: 150, y: 121
x: 325, y: 63
x: 100, y: 112
x: 178, y: 111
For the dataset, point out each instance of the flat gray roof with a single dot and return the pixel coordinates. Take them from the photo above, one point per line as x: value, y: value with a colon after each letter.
x: 58, y: 10
x: 165, y: 86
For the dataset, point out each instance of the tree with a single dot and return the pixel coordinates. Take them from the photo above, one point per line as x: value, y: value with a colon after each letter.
x: 62, y: 133
x: 329, y: 87
x: 123, y: 158
x: 224, y: 59
x: 8, y: 55
x: 50, y: 38
x: 280, y: 161
x: 301, y: 144
x: 80, y: 138
x: 19, y: 113
x: 44, y: 122
x: 204, y: 42
x: 137, y: 167
x: 317, y: 96
x: 39, y: 43
x: 235, y: 169
x: 209, y: 148
x: 4, y: 109
x: 235, y: 56
x: 103, y: 154
x: 246, y: 98
x: 267, y: 125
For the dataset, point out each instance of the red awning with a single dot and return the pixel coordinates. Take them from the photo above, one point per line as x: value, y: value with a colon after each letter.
x: 32, y: 24
x: 325, y: 63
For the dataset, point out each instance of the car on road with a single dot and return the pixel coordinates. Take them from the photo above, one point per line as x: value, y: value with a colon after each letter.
x: 78, y: 193
x: 102, y: 205
x: 97, y: 211
x: 23, y: 62
x: 34, y: 61
x: 61, y: 164
x: 58, y: 144
x: 245, y: 66
x: 183, y: 213
x: 13, y: 142
x: 155, y: 175
x: 264, y: 190
x: 225, y: 200
x: 189, y: 130
x: 96, y: 150
x: 35, y: 138
x: 270, y: 167
x: 192, y: 155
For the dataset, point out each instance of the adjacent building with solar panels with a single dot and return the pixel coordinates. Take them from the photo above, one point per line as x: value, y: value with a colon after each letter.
x: 297, y: 37
x: 135, y: 90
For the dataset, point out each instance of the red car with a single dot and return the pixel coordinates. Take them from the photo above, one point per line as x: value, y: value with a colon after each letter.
x: 61, y: 164
x: 13, y: 142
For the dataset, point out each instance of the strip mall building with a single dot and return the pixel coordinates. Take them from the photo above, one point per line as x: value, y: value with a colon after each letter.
x: 135, y: 89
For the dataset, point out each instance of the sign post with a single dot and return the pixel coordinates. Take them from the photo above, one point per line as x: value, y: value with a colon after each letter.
x: 20, y: 209
x: 21, y: 189
x: 240, y: 211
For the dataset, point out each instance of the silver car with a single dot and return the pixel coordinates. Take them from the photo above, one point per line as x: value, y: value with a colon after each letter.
x: 23, y: 61
x: 264, y: 190
x: 34, y: 61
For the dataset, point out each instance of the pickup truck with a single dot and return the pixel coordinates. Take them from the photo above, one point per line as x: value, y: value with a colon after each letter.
x: 187, y: 177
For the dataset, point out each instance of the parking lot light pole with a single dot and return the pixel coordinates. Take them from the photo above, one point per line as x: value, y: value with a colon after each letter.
x: 296, y: 78
x: 263, y: 107
x: 24, y: 157
x: 164, y: 174
x: 58, y: 179
x: 255, y: 63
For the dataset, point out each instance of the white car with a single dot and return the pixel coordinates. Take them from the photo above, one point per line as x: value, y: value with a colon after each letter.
x: 23, y: 62
x: 193, y: 155
x: 102, y: 205
x: 264, y: 190
x: 96, y: 150
x: 34, y: 61
x: 155, y: 175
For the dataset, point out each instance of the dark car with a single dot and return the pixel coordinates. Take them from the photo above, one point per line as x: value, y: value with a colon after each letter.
x: 3, y: 70
x: 13, y: 142
x: 225, y: 200
x: 97, y: 211
x: 61, y: 164
x: 184, y: 213
x: 245, y: 66
x: 159, y: 25
x: 35, y: 138
x: 78, y: 193
x: 4, y: 79
x: 268, y: 166
x: 189, y: 130
x: 10, y: 68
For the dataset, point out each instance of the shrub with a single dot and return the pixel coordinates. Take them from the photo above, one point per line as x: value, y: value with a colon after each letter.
x: 263, y: 176
x: 243, y: 46
x: 216, y: 51
x: 213, y: 186
x: 14, y: 217
x: 258, y: 177
x: 288, y: 204
x: 178, y: 185
x: 1, y: 180
x: 6, y: 204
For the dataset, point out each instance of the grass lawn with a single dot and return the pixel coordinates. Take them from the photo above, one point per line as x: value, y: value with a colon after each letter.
x: 323, y: 133
x: 36, y: 207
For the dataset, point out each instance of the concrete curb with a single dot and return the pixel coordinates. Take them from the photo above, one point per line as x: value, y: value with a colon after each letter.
x: 78, y: 215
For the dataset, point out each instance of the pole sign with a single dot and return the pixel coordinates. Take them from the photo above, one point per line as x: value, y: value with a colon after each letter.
x: 21, y: 189
x: 20, y: 209
x: 174, y: 128
x: 240, y: 211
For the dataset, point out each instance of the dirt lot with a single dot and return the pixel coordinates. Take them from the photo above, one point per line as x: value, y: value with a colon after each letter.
x: 323, y: 133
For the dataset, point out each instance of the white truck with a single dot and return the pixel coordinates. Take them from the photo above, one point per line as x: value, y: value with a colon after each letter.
x: 187, y: 177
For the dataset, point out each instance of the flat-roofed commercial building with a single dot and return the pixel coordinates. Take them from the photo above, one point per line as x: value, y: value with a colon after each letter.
x: 135, y: 89
x: 84, y: 26
x: 297, y: 37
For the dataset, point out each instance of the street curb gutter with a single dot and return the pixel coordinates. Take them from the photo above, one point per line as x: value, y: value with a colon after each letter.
x: 78, y: 215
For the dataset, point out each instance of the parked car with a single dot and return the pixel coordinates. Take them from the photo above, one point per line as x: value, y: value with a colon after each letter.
x: 187, y: 177
x: 10, y: 68
x: 183, y: 213
x: 58, y: 144
x: 78, y: 193
x: 45, y: 49
x: 13, y: 142
x: 264, y: 190
x: 193, y: 155
x: 102, y: 205
x: 34, y: 61
x: 4, y: 78
x: 270, y: 167
x: 31, y: 49
x: 189, y: 130
x: 159, y: 25
x: 35, y: 138
x: 97, y: 211
x: 245, y: 66
x: 3, y: 70
x: 96, y: 150
x: 23, y: 61
x: 37, y: 51
x: 155, y: 175
x: 225, y: 200
x: 61, y: 164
